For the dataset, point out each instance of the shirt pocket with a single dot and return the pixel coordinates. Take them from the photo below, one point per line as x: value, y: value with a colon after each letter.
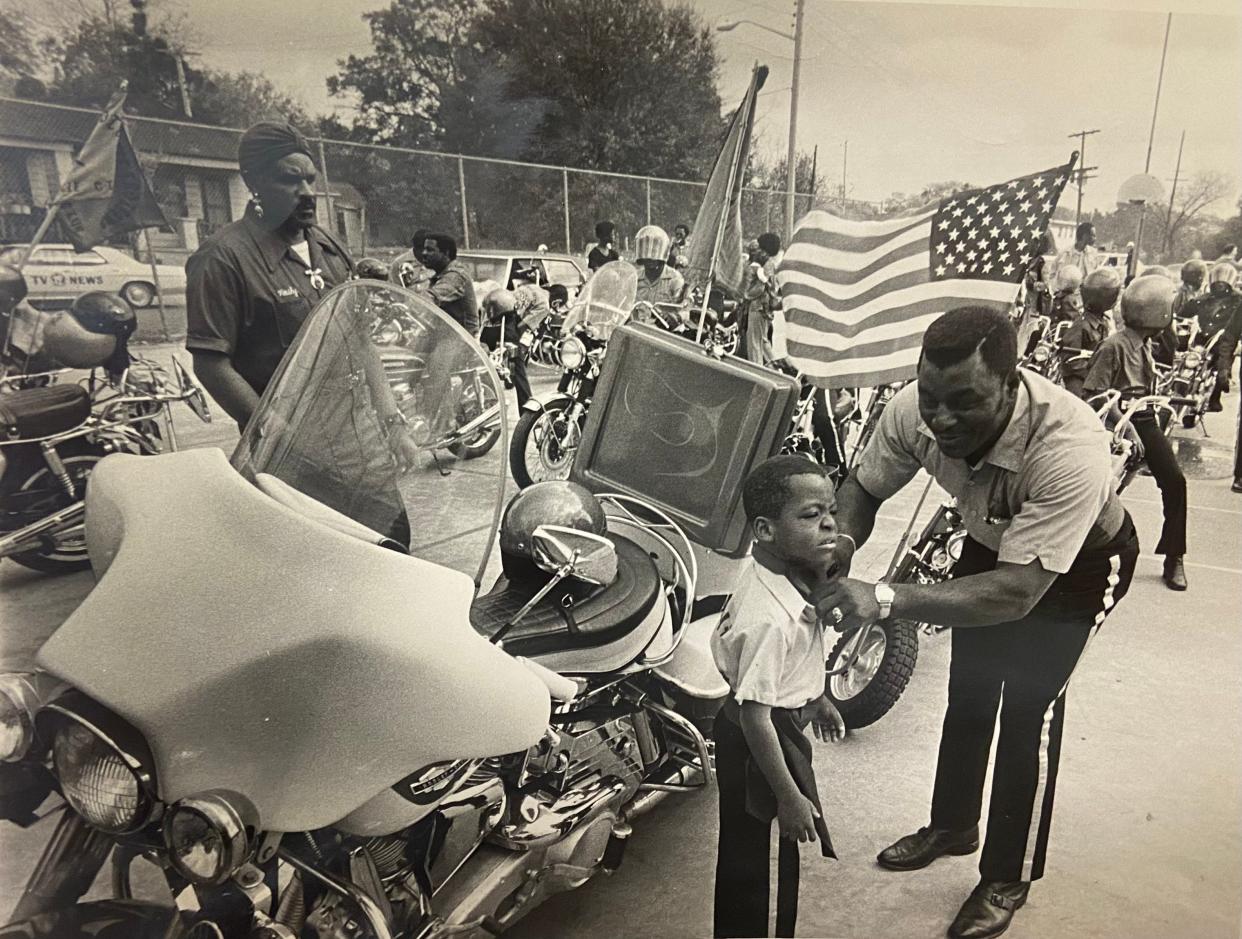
x: 290, y: 313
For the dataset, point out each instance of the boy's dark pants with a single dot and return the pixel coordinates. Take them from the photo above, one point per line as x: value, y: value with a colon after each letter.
x: 1162, y: 462
x: 742, y: 857
x: 1031, y: 661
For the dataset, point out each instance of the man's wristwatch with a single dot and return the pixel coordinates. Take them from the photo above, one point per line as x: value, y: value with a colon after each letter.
x: 884, y: 596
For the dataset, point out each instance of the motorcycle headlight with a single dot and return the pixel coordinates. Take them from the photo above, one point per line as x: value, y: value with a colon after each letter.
x: 572, y: 353
x: 1191, y: 360
x: 1040, y: 354
x: 210, y: 835
x: 16, y: 718
x: 97, y: 780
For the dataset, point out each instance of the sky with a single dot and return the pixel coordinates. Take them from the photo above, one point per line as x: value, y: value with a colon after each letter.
x: 923, y: 92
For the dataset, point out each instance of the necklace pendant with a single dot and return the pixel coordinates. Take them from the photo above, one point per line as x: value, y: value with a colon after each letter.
x: 316, y: 277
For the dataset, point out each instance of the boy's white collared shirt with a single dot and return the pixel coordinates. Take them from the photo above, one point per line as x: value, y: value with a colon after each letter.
x: 769, y: 644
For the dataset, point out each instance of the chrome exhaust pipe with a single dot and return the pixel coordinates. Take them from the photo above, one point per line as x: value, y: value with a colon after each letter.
x: 683, y: 778
x: 33, y: 536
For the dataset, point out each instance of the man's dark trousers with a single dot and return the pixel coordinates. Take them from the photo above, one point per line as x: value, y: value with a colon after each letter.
x: 1031, y: 661
x: 1162, y: 462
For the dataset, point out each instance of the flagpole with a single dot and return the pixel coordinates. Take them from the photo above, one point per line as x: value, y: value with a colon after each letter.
x: 50, y: 216
x: 724, y: 211
x: 155, y: 277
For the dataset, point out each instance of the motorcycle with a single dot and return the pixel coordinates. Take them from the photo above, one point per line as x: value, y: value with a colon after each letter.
x: 476, y: 427
x: 321, y: 733
x: 1046, y: 357
x: 51, y: 439
x: 720, y: 334
x: 1192, y: 377
x: 549, y: 430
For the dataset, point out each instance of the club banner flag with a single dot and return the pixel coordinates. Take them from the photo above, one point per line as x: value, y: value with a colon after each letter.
x: 716, y: 250
x: 107, y: 194
x: 858, y: 296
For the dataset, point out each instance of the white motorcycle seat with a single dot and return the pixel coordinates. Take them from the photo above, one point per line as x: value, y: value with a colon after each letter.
x: 260, y: 651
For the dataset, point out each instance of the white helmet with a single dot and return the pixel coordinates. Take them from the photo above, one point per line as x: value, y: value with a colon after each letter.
x: 651, y: 244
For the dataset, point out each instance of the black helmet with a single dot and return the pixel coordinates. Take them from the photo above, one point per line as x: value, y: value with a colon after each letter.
x: 94, y: 331
x: 371, y: 269
x: 1100, y: 290
x: 1148, y: 302
x: 554, y: 502
x: 12, y: 287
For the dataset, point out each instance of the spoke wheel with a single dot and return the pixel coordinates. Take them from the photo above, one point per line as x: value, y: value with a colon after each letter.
x: 544, y: 445
x: 868, y: 689
x: 41, y: 494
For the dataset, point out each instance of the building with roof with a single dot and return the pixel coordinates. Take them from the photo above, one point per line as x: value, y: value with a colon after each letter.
x: 192, y: 169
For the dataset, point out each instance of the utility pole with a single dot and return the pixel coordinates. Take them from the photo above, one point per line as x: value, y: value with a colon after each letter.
x: 1082, y: 136
x: 1168, y: 219
x: 792, y: 171
x: 1151, y: 137
x: 845, y: 157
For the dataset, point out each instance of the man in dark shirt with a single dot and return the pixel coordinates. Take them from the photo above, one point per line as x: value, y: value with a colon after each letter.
x: 1124, y: 362
x: 604, y: 251
x: 250, y: 286
x: 451, y: 285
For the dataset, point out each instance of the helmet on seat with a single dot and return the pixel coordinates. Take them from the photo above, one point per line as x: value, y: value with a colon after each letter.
x: 1194, y: 272
x: 554, y: 502
x: 1148, y: 302
x: 371, y: 269
x: 1101, y: 289
x: 12, y: 287
x: 94, y: 331
x: 651, y: 244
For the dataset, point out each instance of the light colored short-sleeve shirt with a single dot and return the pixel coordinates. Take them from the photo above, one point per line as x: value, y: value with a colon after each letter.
x: 769, y: 644
x: 1045, y: 490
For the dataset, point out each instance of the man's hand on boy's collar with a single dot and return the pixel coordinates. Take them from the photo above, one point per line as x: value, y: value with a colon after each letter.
x: 852, y: 600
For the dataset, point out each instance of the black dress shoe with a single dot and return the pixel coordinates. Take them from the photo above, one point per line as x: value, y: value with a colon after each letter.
x: 989, y: 909
x: 1175, y: 574
x: 921, y: 848
x: 1237, y: 484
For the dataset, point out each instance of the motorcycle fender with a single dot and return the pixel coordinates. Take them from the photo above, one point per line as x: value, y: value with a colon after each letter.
x: 541, y: 402
x: 103, y: 919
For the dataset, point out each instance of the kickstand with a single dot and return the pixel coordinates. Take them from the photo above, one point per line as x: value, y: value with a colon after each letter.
x: 440, y: 466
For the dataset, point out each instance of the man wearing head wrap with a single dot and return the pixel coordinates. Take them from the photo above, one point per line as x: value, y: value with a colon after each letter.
x: 250, y: 286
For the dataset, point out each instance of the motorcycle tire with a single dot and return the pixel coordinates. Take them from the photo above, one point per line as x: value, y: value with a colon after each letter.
x: 869, y: 690
x: 486, y: 438
x: 71, y: 556
x: 532, y: 428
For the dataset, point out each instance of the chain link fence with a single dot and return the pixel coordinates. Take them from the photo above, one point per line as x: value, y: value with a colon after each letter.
x: 374, y: 197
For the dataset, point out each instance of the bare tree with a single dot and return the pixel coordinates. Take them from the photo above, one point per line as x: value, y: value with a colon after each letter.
x: 1192, y: 199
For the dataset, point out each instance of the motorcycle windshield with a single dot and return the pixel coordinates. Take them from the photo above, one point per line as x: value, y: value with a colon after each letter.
x: 605, y: 301
x: 387, y: 411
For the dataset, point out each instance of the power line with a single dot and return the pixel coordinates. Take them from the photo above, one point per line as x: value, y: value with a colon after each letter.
x: 1082, y: 136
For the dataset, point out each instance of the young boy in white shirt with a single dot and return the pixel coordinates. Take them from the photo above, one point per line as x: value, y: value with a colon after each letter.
x: 770, y: 648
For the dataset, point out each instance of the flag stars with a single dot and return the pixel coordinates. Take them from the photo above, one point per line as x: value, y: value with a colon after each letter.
x: 940, y: 270
x: 1009, y: 269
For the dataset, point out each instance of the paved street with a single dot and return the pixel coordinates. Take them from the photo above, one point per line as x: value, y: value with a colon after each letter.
x: 1149, y: 808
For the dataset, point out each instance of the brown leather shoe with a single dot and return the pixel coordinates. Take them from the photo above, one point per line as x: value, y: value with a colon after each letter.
x: 989, y: 909
x: 1175, y: 574
x: 921, y: 848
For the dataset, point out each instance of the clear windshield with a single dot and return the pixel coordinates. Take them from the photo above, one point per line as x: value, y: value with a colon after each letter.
x: 605, y: 301
x: 387, y: 411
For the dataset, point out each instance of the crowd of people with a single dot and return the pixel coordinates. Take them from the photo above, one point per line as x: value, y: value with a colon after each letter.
x: 1050, y: 549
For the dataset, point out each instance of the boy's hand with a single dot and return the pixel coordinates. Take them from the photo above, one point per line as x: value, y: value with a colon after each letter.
x: 826, y: 721
x: 796, y: 818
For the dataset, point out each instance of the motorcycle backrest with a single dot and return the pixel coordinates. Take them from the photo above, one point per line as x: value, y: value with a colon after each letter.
x: 680, y: 429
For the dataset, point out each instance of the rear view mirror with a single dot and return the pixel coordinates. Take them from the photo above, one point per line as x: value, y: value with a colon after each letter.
x: 589, y: 557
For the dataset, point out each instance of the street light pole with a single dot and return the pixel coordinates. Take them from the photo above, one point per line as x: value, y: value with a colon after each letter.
x: 792, y: 159
x: 791, y: 177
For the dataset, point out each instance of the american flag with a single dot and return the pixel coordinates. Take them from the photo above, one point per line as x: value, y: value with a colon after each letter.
x: 858, y: 296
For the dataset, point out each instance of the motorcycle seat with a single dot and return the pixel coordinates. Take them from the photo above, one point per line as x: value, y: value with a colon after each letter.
x: 564, y: 620
x: 31, y: 413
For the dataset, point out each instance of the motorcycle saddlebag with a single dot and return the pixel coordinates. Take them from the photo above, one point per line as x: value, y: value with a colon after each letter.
x: 40, y: 412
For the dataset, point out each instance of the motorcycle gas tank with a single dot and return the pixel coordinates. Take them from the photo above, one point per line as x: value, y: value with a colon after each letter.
x: 262, y: 652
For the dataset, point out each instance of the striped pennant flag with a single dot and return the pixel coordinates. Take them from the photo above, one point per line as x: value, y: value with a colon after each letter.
x: 858, y: 296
